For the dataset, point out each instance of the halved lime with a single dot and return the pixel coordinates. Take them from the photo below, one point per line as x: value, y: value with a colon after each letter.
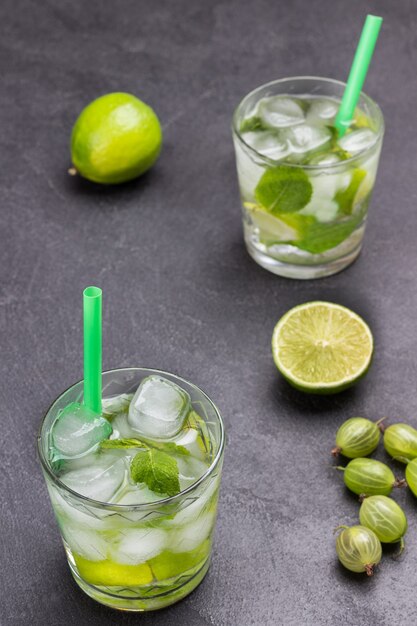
x: 321, y: 347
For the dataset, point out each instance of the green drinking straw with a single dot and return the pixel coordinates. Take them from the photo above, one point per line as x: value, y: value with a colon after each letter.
x: 358, y: 71
x: 92, y: 348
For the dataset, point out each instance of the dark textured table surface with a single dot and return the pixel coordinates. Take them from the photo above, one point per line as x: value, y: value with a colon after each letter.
x: 181, y: 293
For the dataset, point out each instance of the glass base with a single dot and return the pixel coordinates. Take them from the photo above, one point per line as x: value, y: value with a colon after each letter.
x: 302, y: 272
x: 131, y: 600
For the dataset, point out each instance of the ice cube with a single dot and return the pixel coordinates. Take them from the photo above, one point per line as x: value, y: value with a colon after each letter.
x: 268, y: 143
x: 326, y: 158
x: 159, y: 408
x: 322, y: 111
x: 357, y: 140
x: 76, y: 431
x: 280, y: 112
x: 87, y: 543
x: 191, y: 439
x: 190, y: 470
x: 100, y: 481
x: 305, y: 138
x: 116, y: 404
x: 79, y: 461
x: 248, y: 171
x: 139, y: 545
x: 190, y: 536
x: 322, y: 205
x: 141, y: 494
x: 371, y: 165
x: 327, y: 185
x: 121, y: 425
x: 323, y: 209
x: 195, y: 507
x: 80, y: 515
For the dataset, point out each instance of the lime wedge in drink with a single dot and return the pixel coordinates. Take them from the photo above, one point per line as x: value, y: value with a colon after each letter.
x: 362, y: 120
x: 364, y: 190
x: 271, y: 229
x: 347, y: 199
x: 321, y: 347
x: 108, y: 573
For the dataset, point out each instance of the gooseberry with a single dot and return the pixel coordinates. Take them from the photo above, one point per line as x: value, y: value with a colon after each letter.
x: 400, y: 441
x: 369, y: 477
x: 358, y: 549
x: 411, y: 476
x: 357, y: 437
x: 385, y: 517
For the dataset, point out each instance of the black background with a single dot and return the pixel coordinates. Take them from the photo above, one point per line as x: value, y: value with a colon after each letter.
x: 181, y: 293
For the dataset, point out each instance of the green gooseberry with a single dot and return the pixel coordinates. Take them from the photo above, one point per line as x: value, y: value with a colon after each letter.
x: 358, y: 549
x: 411, y: 476
x: 368, y: 477
x: 357, y: 437
x: 385, y: 517
x: 400, y: 441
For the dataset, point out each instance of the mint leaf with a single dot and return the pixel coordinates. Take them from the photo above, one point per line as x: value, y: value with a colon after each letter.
x: 318, y: 237
x: 322, y: 237
x: 110, y: 444
x: 345, y: 198
x: 283, y: 189
x: 252, y: 124
x: 157, y: 470
x: 170, y: 446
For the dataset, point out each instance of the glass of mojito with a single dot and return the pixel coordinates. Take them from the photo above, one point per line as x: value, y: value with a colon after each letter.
x: 135, y: 488
x: 305, y: 190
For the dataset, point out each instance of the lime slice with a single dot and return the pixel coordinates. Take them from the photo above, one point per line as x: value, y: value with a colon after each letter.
x: 361, y: 120
x: 364, y: 190
x: 108, y: 573
x: 321, y: 347
x: 169, y: 564
x: 271, y: 229
x: 347, y: 198
x: 166, y: 565
x: 196, y: 422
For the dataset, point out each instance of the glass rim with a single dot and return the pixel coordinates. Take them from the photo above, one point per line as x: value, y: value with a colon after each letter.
x: 328, y: 166
x: 132, y: 507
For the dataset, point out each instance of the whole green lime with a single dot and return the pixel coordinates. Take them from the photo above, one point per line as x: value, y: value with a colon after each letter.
x: 115, y: 139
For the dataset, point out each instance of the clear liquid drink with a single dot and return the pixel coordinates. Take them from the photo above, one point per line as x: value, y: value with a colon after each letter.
x: 135, y: 489
x: 305, y: 191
